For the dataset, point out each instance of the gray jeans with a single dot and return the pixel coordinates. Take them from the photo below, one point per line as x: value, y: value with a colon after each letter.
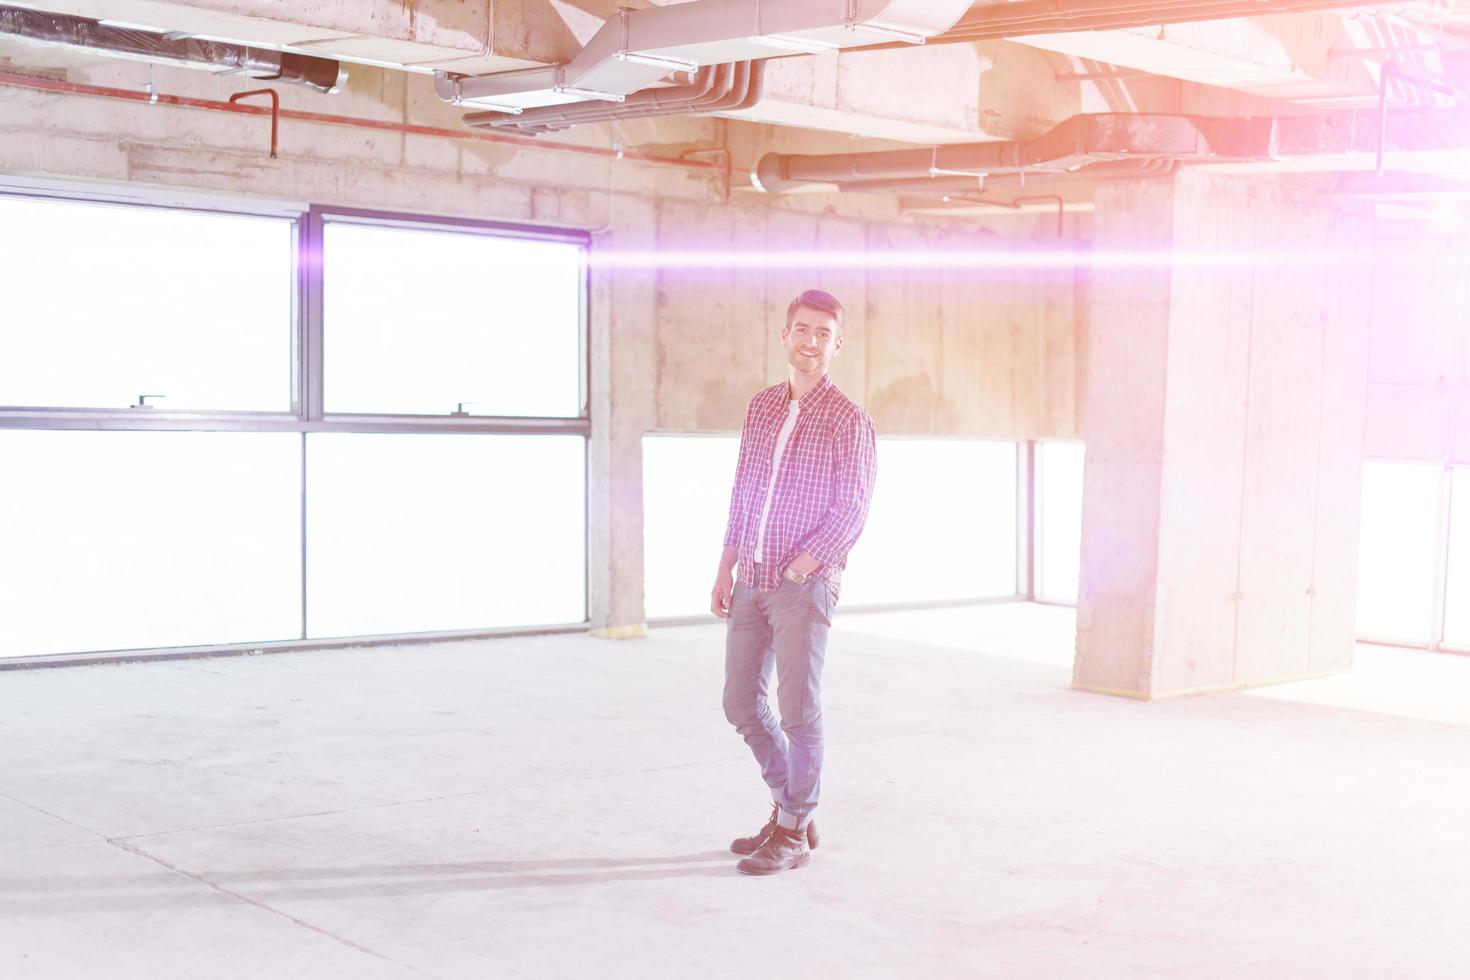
x: 784, y: 631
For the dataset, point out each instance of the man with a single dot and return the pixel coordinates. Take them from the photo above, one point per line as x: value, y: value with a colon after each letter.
x: 802, y: 487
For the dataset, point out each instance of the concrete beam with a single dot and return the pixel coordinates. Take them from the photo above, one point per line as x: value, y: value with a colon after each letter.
x: 1309, y: 57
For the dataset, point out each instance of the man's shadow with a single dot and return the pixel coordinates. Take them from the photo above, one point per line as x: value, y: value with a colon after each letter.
x: 99, y: 893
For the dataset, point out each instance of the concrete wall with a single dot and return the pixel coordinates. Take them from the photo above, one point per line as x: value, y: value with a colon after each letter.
x: 930, y: 352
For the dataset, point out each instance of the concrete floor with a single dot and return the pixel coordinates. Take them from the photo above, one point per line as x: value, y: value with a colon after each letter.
x: 559, y: 806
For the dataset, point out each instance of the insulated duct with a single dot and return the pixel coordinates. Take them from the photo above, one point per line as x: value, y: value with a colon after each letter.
x: 262, y: 64
x: 1083, y: 141
x: 636, y: 49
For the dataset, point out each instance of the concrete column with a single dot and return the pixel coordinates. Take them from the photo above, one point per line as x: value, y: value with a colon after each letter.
x: 623, y: 309
x: 1223, y: 415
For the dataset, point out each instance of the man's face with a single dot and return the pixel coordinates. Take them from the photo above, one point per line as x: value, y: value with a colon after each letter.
x: 812, y: 339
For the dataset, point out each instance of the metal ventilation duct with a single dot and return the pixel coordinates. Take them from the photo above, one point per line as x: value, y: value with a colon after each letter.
x: 637, y: 49
x: 79, y: 32
x: 1083, y: 141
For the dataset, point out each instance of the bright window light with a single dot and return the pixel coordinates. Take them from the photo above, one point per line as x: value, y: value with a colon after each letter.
x: 423, y: 532
x: 686, y: 501
x: 420, y: 321
x: 104, y: 303
x: 1059, y: 519
x: 942, y: 525
x: 130, y: 540
x: 1396, y: 553
x: 1457, y: 597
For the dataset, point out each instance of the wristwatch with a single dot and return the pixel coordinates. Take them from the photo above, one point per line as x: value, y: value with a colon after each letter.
x: 795, y: 576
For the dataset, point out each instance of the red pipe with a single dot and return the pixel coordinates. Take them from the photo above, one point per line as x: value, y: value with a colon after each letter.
x: 275, y: 110
x: 328, y: 119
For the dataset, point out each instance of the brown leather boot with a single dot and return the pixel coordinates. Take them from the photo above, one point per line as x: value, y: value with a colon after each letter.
x: 748, y: 845
x: 783, y: 850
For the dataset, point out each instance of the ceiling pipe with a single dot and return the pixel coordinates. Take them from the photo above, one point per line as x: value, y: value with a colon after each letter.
x: 636, y: 49
x: 1068, y: 147
x: 730, y: 91
x: 1135, y: 169
x: 321, y: 74
x: 10, y: 80
x: 675, y: 96
x: 729, y: 104
x: 731, y: 84
x: 743, y: 91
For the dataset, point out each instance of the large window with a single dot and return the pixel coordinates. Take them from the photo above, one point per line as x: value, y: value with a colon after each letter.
x: 686, y: 501
x: 413, y: 533
x: 1397, y: 550
x: 429, y: 322
x: 207, y: 440
x: 942, y: 525
x: 102, y: 304
x: 125, y: 540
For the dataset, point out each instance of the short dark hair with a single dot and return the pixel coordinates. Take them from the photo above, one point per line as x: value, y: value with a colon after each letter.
x: 816, y: 299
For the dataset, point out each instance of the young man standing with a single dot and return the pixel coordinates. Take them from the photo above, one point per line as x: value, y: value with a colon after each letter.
x: 802, y: 487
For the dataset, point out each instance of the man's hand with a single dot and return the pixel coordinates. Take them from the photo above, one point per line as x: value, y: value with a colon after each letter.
x: 804, y: 564
x: 722, y: 594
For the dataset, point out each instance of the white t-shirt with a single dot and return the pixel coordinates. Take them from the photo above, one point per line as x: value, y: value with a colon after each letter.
x: 793, y: 407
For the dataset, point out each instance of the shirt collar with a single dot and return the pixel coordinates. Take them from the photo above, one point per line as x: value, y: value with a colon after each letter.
x: 814, y: 396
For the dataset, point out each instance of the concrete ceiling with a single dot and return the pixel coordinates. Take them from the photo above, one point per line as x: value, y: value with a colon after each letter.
x: 940, y: 93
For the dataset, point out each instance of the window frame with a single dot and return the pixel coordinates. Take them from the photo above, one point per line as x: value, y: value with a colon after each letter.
x: 306, y: 416
x: 307, y: 369
x: 315, y: 222
x: 111, y: 417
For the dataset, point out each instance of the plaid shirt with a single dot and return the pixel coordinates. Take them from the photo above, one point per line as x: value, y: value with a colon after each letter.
x: 823, y: 485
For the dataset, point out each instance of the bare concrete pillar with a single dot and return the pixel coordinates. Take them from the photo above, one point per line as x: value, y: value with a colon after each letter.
x: 1223, y: 415
x: 623, y: 310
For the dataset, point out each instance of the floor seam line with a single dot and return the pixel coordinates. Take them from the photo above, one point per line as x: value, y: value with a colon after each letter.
x: 53, y: 816
x: 122, y: 845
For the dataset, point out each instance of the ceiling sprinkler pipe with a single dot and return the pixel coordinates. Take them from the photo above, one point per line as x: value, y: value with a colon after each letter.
x: 321, y: 74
